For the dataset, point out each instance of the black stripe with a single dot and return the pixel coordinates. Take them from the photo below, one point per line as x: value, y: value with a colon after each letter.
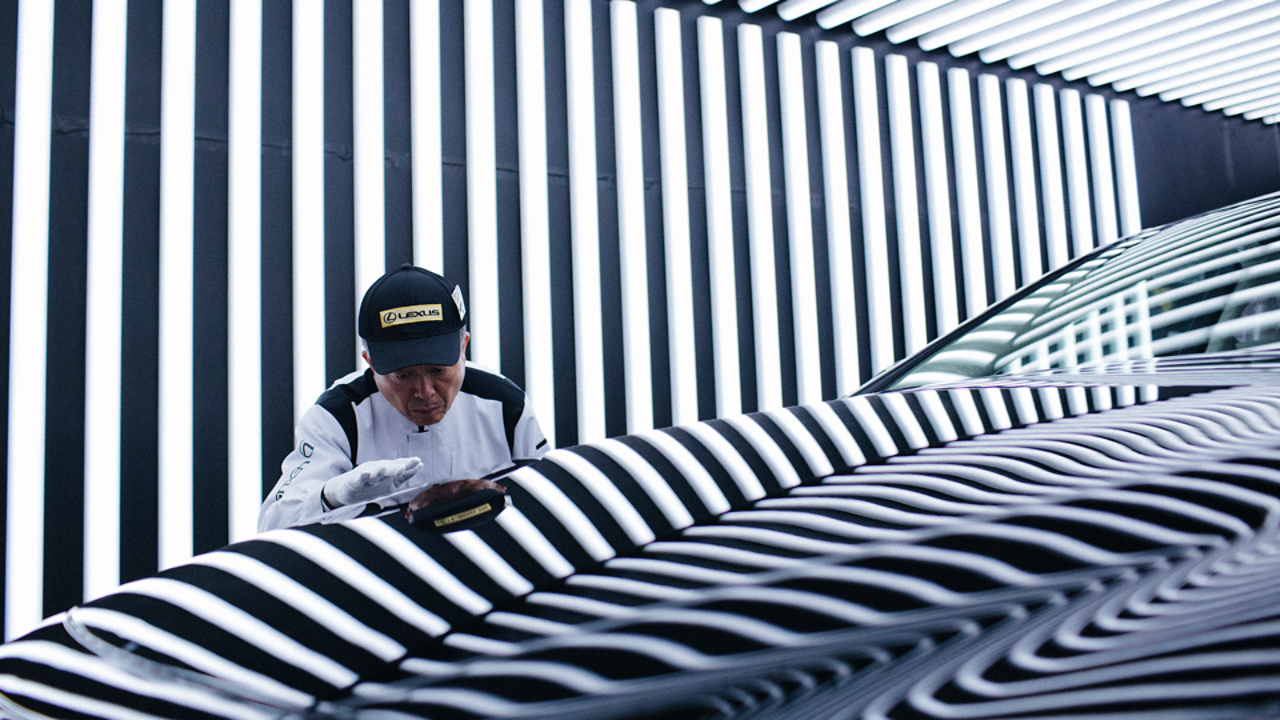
x: 341, y: 401
x: 491, y: 386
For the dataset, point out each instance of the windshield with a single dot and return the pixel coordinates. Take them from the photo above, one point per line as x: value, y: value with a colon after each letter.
x: 1204, y: 285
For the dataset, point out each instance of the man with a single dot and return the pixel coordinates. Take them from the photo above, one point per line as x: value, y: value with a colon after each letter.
x: 417, y: 417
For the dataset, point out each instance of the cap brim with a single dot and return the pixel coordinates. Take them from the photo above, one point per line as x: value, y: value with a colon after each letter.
x: 388, y: 356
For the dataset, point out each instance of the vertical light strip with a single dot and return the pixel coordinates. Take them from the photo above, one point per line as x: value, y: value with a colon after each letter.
x: 675, y: 217
x: 177, y: 278
x: 1024, y: 180
x: 1077, y: 173
x: 428, y: 194
x: 535, y: 232
x: 1055, y: 212
x: 104, y: 306
x: 482, y: 184
x: 632, y: 237
x: 764, y: 293
x: 997, y: 173
x: 835, y: 176
x: 1104, y: 188
x: 875, y: 242
x: 368, y: 150
x: 937, y: 197
x: 963, y: 146
x: 1126, y: 168
x: 28, y: 311
x: 588, y: 346
x: 308, y: 202
x: 795, y: 167
x: 906, y: 203
x: 244, y: 271
x: 720, y: 255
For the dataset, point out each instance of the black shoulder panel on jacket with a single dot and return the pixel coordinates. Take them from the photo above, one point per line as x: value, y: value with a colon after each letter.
x: 491, y: 386
x: 341, y: 401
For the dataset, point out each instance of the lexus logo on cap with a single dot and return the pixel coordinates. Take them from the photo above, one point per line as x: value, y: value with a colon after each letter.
x: 412, y: 314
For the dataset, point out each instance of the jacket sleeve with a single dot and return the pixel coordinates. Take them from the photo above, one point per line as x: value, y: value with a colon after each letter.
x: 530, y: 443
x: 321, y: 451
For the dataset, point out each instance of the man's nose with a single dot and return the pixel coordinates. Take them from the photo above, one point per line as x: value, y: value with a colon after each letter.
x: 423, y: 388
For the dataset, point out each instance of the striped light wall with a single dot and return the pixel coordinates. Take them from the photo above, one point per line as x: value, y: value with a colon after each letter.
x: 658, y: 212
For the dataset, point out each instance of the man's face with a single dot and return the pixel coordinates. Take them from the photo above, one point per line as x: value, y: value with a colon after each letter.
x: 423, y: 393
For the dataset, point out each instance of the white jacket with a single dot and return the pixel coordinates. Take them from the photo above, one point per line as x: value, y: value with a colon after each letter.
x: 490, y: 427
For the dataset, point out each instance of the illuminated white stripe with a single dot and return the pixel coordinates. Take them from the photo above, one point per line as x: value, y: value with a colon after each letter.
x: 969, y: 17
x: 308, y: 202
x: 938, y: 197
x: 244, y: 271
x: 1024, y: 180
x: 768, y: 449
x: 1126, y: 168
x: 967, y: 409
x: 584, y: 220
x: 968, y: 207
x: 997, y: 176
x: 490, y: 562
x: 720, y: 246
x: 931, y: 403
x: 564, y: 511
x: 535, y: 232
x: 997, y: 411
x: 894, y: 13
x: 835, y: 176
x: 906, y: 420
x: 632, y: 234
x: 814, y: 456
x: 534, y: 542
x: 1104, y: 198
x: 681, y: 345
x: 743, y: 476
x: 417, y: 561
x: 1055, y: 212
x: 755, y: 140
x: 369, y: 152
x: 424, y: 104
x: 906, y: 203
x: 795, y: 168
x: 940, y: 17
x: 866, y: 112
x: 608, y: 494
x: 1216, y: 80
x: 1077, y: 173
x: 850, y: 453
x: 694, y: 473
x: 177, y: 177
x: 482, y: 185
x: 872, y: 425
x: 1066, y: 34
x: 650, y: 481
x: 792, y: 9
x: 28, y: 312
x: 104, y: 306
x: 843, y: 11
x: 1115, y: 36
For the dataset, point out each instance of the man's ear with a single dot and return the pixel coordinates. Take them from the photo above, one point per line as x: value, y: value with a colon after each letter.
x: 365, y: 354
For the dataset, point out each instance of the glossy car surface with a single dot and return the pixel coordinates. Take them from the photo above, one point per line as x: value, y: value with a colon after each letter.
x: 1067, y: 509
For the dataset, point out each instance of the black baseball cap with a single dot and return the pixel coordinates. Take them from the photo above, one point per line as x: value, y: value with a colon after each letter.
x: 410, y: 316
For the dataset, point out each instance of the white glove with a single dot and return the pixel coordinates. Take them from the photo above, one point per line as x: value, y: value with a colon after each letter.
x: 368, y: 481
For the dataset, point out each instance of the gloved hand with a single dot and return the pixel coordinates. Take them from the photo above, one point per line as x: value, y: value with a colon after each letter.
x: 369, y: 480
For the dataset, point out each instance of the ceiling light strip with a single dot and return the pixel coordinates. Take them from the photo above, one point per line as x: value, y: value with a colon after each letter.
x: 792, y: 9
x: 28, y: 320
x: 795, y: 160
x: 835, y: 176
x: 482, y: 182
x: 755, y: 140
x: 937, y: 197
x: 968, y: 207
x: 368, y: 150
x: 846, y: 10
x: 681, y: 342
x: 427, y: 168
x: 1245, y: 102
x: 933, y: 20
x: 1234, y: 93
x: 584, y: 221
x: 1077, y: 172
x: 1050, y: 153
x: 244, y: 270
x: 875, y: 242
x: 309, y: 379
x: 915, y: 331
x: 1023, y: 160
x: 1033, y: 30
x: 995, y: 166
x: 1077, y: 32
x: 1104, y: 195
x: 1199, y: 55
x: 1214, y: 76
x: 1026, y: 19
x: 751, y: 6
x: 632, y: 233
x: 892, y: 14
x: 535, y: 222
x: 1137, y: 41
x: 1126, y: 168
x: 720, y: 244
x: 1262, y: 112
x: 104, y: 288
x: 978, y: 16
x: 177, y: 278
